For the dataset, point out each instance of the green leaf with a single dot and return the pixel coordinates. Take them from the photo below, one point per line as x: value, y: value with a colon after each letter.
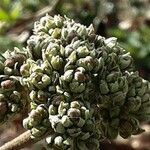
x: 4, y: 16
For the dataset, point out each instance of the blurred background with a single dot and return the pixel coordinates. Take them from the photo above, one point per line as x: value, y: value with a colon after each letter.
x: 128, y: 20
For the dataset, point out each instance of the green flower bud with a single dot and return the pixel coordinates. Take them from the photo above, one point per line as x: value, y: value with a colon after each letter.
x: 81, y: 122
x: 90, y: 29
x: 87, y: 63
x: 72, y: 57
x: 57, y: 62
x: 75, y: 87
x: 42, y: 96
x: 82, y: 31
x: 114, y: 87
x: 35, y: 115
x: 75, y: 104
x: 68, y: 66
x: 46, y: 80
x: 41, y: 109
x: 38, y: 132
x: 56, y: 33
x: 103, y: 87
x: 76, y: 44
x: 111, y: 42
x: 46, y: 67
x: 49, y: 22
x: 59, y: 128
x: 82, y: 51
x: 125, y: 61
x: 33, y: 95
x: 24, y: 70
x: 62, y: 108
x: 68, y: 76
x: 52, y: 110
x: 66, y: 121
x: 68, y: 50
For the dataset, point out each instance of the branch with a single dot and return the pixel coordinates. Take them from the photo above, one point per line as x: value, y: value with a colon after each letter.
x: 21, y: 141
x: 23, y: 24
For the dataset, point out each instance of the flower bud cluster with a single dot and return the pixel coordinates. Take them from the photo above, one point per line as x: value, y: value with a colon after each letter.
x: 11, y: 91
x: 11, y: 61
x: 136, y: 107
x: 37, y: 121
x: 11, y: 98
x: 73, y: 121
x: 86, y: 82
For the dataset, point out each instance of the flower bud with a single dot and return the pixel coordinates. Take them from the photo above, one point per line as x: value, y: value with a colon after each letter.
x: 57, y: 62
x: 103, y: 87
x: 7, y: 84
x: 10, y: 62
x: 82, y: 51
x: 24, y: 70
x: 52, y: 110
x: 79, y: 76
x: 125, y: 61
x: 58, y: 141
x: 74, y: 113
x: 68, y: 76
x: 75, y: 87
x: 56, y: 33
x: 66, y: 121
x: 75, y: 104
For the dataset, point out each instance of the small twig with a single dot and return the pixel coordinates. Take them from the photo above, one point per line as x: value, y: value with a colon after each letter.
x: 21, y: 141
x: 26, y: 21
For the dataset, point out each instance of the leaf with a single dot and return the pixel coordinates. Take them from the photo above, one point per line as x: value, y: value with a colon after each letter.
x: 4, y: 16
